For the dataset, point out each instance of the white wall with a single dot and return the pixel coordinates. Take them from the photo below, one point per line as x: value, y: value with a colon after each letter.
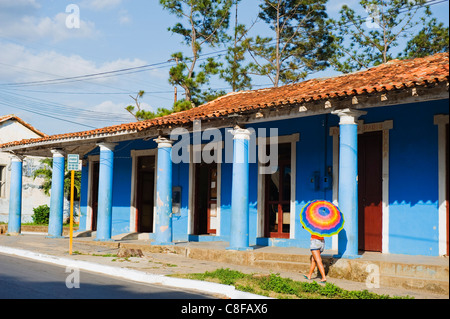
x: 32, y: 193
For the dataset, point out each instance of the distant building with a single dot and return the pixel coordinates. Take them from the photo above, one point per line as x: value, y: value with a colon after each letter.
x: 13, y: 128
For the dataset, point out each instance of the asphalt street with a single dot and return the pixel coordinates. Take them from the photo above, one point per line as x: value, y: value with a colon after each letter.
x: 22, y: 278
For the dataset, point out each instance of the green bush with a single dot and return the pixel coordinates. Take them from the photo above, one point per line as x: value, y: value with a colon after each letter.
x: 277, y: 284
x: 41, y: 215
x: 226, y: 276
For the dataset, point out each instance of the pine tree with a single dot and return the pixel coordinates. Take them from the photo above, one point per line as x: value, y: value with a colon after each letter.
x: 363, y: 42
x: 235, y: 73
x: 300, y: 44
x: 206, y: 24
x: 433, y: 38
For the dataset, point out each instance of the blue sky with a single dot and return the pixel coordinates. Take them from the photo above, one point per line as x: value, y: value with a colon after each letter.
x: 36, y: 45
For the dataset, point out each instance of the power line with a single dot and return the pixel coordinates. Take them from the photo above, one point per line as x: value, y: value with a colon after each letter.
x: 47, y: 115
x: 49, y: 107
x: 102, y: 75
x: 79, y: 93
x: 137, y: 69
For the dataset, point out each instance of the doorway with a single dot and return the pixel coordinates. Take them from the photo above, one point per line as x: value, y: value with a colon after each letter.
x: 94, y: 194
x: 205, y: 203
x: 278, y: 196
x: 370, y: 186
x: 145, y: 193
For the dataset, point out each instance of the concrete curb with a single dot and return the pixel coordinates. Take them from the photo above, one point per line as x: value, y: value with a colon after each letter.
x: 139, y: 276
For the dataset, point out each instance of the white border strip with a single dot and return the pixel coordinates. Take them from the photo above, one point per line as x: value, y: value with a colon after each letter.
x: 135, y: 275
x: 441, y: 120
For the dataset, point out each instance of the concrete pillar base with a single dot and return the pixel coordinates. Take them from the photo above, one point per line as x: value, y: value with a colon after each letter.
x: 162, y: 244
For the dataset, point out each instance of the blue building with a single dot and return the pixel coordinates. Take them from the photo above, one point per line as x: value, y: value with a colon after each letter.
x: 240, y: 168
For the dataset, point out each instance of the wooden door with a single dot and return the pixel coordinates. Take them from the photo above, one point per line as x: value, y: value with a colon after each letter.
x: 145, y: 193
x: 278, y: 196
x: 370, y: 191
x: 212, y: 200
x: 205, y: 211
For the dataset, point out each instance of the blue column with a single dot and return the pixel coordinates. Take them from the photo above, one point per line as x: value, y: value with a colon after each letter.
x: 105, y: 186
x: 163, y: 222
x: 239, y: 234
x: 15, y: 197
x: 348, y: 181
x: 55, y: 225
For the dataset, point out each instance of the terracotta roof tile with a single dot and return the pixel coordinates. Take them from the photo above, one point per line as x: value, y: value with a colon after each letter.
x: 394, y: 75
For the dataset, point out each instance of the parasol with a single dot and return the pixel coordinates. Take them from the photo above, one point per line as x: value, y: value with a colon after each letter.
x: 322, y: 218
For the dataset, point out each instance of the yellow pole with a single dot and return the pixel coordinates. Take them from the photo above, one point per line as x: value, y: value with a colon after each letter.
x: 72, y: 177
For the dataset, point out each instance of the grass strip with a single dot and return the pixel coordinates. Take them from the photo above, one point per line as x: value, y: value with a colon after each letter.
x: 275, y: 286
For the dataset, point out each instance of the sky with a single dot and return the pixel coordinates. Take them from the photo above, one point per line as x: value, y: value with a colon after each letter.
x: 41, y: 46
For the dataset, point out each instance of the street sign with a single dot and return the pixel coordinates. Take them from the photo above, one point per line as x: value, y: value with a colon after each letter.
x: 72, y: 180
x: 73, y: 162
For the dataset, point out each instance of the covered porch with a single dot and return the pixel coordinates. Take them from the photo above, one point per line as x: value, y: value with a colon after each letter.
x: 160, y: 166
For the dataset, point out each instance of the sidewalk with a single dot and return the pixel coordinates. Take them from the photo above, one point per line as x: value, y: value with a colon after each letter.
x: 191, y: 257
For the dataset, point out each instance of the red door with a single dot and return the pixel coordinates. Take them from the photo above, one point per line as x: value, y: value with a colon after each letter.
x: 370, y: 191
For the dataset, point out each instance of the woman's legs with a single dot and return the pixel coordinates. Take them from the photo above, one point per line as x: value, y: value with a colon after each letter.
x: 312, y: 267
x: 318, y: 260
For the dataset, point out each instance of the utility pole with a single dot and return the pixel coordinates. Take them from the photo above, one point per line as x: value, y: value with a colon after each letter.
x: 175, y: 87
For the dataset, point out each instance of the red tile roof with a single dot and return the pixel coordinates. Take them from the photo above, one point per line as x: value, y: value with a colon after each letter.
x: 394, y: 75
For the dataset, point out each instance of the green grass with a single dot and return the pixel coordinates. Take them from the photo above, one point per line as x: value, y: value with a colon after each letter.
x: 104, y: 255
x: 283, y: 288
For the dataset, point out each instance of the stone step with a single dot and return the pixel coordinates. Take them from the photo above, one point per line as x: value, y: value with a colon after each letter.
x: 275, y: 266
x: 433, y: 272
x: 358, y: 269
x: 284, y: 257
x: 414, y: 283
x: 390, y: 268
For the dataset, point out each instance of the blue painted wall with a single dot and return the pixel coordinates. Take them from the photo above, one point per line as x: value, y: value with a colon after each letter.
x: 413, y: 177
x: 83, y: 196
x: 413, y: 180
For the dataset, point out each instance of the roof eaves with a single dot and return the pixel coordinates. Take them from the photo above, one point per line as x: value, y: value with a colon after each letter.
x: 48, y: 141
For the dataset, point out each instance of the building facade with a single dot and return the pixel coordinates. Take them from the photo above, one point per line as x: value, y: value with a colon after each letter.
x: 239, y: 169
x: 13, y: 128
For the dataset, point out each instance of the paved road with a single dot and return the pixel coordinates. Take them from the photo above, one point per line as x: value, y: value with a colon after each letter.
x: 22, y: 278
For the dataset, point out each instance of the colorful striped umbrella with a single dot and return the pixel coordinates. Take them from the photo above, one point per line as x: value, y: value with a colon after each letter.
x: 322, y: 218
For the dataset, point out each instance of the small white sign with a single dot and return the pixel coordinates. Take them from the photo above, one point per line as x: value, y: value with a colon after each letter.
x: 73, y: 162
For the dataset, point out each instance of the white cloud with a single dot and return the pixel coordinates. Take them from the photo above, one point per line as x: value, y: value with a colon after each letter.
x: 20, y: 20
x: 124, y: 17
x: 119, y: 108
x: 101, y: 4
x: 113, y: 108
x: 18, y: 5
x: 21, y: 65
